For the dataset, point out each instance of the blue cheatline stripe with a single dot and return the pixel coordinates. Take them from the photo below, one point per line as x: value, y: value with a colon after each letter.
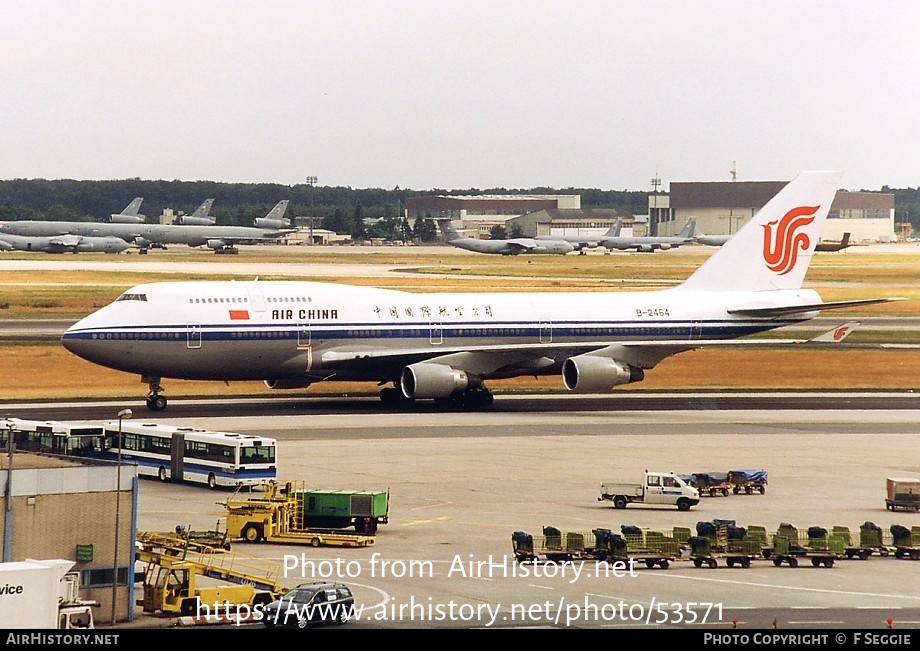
x: 561, y: 330
x: 150, y: 466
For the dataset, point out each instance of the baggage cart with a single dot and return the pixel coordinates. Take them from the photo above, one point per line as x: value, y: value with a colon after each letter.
x: 906, y: 542
x: 748, y: 482
x: 817, y: 546
x: 721, y: 539
x: 712, y: 483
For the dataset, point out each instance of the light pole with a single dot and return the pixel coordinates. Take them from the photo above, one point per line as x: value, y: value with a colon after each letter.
x: 8, y: 517
x: 311, y: 181
x: 124, y: 413
x: 656, y: 182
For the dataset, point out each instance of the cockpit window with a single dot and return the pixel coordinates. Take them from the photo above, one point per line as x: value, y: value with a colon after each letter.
x: 132, y: 297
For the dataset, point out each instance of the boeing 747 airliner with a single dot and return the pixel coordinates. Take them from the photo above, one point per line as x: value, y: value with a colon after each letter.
x: 446, y: 346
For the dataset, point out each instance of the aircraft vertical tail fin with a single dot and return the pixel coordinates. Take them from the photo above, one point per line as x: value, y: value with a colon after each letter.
x: 614, y: 230
x: 447, y: 230
x: 204, y: 209
x: 278, y: 211
x: 133, y: 207
x: 772, y: 251
x: 689, y: 228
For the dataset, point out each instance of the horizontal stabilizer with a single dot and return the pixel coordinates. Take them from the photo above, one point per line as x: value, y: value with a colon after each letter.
x: 836, y: 334
x: 811, y: 307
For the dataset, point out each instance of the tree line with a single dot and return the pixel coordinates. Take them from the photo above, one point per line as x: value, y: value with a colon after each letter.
x: 361, y: 213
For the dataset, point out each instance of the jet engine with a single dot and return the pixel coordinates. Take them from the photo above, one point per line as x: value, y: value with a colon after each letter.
x: 127, y: 219
x: 426, y: 380
x: 216, y: 244
x: 590, y: 373
x: 189, y: 220
x: 265, y: 222
x: 645, y: 248
x: 287, y: 383
x: 664, y: 246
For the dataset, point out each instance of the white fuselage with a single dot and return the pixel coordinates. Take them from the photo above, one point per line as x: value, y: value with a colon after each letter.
x: 288, y: 329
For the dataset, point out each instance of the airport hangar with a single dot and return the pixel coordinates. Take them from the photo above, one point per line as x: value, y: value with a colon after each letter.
x: 720, y: 208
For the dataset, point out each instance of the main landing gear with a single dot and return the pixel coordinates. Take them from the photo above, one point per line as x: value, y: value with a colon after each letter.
x: 155, y: 402
x: 474, y: 398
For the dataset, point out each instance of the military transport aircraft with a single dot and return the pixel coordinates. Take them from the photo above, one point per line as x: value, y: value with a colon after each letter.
x: 650, y: 243
x: 514, y: 246
x: 222, y: 239
x: 445, y: 346
x: 62, y: 244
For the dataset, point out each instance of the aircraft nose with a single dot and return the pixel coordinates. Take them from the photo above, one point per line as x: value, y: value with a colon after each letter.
x: 78, y: 341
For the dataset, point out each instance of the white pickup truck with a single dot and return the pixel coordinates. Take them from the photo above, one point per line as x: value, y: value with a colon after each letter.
x: 657, y: 488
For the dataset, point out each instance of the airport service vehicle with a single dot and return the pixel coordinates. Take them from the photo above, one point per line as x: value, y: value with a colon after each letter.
x: 903, y: 494
x: 289, y: 512
x: 659, y: 488
x: 43, y: 594
x: 169, y: 452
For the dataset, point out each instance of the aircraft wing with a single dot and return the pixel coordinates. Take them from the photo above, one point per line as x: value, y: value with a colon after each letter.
x: 812, y: 307
x: 521, y: 246
x: 511, y: 360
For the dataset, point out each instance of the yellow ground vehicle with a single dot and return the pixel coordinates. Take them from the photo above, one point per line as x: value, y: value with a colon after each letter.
x: 282, y: 514
x: 176, y: 580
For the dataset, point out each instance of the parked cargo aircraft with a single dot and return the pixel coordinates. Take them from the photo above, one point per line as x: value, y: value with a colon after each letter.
x: 223, y: 239
x: 62, y: 244
x: 651, y: 243
x: 445, y: 346
x: 130, y: 214
x: 199, y: 217
x: 514, y: 246
x: 582, y: 242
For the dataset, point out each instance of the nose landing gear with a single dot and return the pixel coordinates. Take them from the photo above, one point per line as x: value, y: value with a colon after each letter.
x: 155, y: 402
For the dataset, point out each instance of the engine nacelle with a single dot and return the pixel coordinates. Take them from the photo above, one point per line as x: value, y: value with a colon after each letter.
x: 216, y: 244
x: 188, y: 220
x: 127, y: 219
x: 590, y: 373
x: 665, y: 246
x: 287, y: 383
x: 426, y: 380
x: 645, y: 248
x: 265, y: 222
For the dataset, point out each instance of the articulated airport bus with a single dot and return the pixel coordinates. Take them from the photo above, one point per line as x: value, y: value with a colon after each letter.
x: 217, y: 459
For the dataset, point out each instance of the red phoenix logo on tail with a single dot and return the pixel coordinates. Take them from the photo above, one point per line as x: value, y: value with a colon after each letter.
x: 781, y: 248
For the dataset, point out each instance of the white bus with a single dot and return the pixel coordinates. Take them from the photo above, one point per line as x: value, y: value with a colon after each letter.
x: 175, y: 453
x: 54, y: 437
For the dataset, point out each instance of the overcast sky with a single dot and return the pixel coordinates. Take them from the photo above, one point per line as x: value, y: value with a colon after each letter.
x: 462, y: 94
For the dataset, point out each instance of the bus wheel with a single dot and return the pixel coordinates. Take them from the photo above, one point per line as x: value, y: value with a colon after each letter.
x: 161, y: 473
x: 315, y: 542
x: 212, y: 480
